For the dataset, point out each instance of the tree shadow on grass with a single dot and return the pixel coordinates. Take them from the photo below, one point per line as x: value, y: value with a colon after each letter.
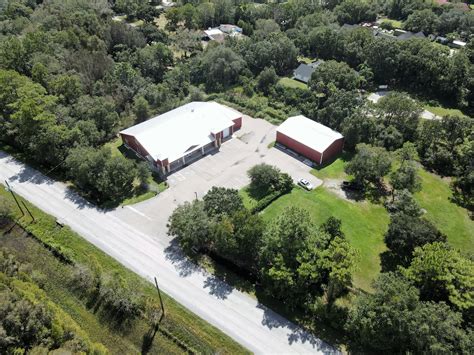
x: 344, y: 156
x: 256, y: 193
x: 376, y: 193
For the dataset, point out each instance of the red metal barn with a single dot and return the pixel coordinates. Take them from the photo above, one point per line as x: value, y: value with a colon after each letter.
x: 310, y: 139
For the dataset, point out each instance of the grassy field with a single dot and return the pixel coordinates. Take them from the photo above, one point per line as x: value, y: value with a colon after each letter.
x: 179, y: 326
x: 363, y: 223
x: 333, y: 170
x: 442, y: 111
x: 291, y: 83
x: 450, y: 219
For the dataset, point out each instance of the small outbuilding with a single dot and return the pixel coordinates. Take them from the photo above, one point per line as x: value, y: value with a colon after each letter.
x: 310, y: 139
x: 183, y: 135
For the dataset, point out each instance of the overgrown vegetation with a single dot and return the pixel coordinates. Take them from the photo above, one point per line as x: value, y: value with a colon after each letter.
x: 91, y: 299
x: 72, y: 75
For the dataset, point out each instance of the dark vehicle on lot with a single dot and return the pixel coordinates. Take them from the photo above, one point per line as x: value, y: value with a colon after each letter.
x: 352, y: 185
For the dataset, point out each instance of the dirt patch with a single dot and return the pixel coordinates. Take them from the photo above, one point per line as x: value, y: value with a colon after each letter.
x: 335, y: 185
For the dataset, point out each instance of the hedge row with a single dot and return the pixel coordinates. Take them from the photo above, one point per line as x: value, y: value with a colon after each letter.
x: 267, y: 200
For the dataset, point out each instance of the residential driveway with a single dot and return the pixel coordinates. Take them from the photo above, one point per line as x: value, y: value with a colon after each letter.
x: 376, y: 96
x: 226, y: 168
x: 150, y: 254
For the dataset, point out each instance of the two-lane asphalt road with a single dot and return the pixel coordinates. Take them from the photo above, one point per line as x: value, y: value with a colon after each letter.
x: 236, y: 314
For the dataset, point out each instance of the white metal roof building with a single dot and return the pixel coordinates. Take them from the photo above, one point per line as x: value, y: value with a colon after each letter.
x: 179, y: 136
x: 310, y: 139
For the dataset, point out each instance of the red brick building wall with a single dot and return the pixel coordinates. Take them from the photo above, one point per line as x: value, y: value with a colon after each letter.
x: 308, y: 152
x: 237, y: 123
x: 134, y: 144
x: 333, y: 150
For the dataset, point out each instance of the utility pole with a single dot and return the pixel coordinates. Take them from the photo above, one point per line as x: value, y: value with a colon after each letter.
x: 14, y: 197
x: 161, y: 300
x: 31, y: 215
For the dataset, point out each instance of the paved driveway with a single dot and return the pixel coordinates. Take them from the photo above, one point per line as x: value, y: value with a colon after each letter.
x: 227, y: 168
x: 237, y: 314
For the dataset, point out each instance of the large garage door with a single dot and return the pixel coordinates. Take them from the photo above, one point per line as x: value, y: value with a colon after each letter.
x: 226, y: 132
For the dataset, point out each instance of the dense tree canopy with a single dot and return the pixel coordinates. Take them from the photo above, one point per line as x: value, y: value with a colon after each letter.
x: 406, y: 232
x: 443, y: 274
x: 393, y: 319
x: 369, y: 165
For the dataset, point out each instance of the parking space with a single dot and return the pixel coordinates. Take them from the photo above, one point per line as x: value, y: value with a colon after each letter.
x: 227, y: 168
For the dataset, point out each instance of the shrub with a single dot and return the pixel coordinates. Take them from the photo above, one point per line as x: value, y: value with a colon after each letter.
x: 263, y: 177
x: 267, y: 200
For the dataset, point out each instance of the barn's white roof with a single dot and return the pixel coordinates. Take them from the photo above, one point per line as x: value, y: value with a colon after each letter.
x: 182, y: 130
x: 308, y: 132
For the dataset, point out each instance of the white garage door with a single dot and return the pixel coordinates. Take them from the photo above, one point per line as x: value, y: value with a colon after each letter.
x: 226, y: 132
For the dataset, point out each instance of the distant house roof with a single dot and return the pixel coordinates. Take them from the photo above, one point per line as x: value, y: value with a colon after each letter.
x: 304, y: 71
x: 172, y: 134
x: 386, y: 35
x: 348, y: 26
x: 408, y: 35
x: 442, y: 40
x: 230, y: 29
x: 215, y: 34
x: 220, y: 33
x: 458, y: 44
x: 312, y: 134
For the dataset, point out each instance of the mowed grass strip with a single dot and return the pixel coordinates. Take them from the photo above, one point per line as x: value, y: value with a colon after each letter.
x: 363, y: 223
x: 442, y: 111
x: 184, y: 325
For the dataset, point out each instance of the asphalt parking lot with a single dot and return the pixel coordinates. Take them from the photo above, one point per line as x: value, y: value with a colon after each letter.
x: 226, y: 167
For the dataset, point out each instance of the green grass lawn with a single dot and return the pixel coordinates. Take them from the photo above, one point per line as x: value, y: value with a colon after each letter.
x: 190, y: 330
x: 249, y: 202
x: 395, y: 23
x: 333, y: 170
x: 363, y: 223
x: 292, y: 83
x: 442, y: 111
x: 448, y: 217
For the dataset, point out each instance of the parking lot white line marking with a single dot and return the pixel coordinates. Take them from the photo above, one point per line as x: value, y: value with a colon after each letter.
x: 179, y: 176
x: 138, y: 212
